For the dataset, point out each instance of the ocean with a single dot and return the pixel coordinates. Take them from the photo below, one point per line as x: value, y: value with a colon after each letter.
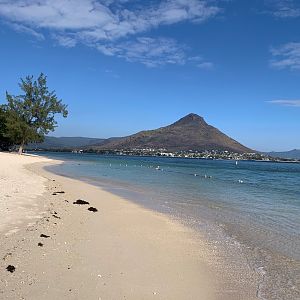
x: 255, y: 204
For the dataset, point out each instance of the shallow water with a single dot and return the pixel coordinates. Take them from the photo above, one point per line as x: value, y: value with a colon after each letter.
x: 255, y: 203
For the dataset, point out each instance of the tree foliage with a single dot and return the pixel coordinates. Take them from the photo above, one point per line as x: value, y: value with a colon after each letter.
x: 31, y: 115
x: 5, y: 141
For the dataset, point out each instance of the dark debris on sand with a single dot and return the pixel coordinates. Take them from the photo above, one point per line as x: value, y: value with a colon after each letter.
x: 44, y: 236
x: 93, y: 209
x: 10, y: 268
x: 55, y: 193
x: 81, y: 202
x: 40, y: 244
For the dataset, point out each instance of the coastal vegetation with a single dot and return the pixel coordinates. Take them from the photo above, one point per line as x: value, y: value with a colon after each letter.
x: 28, y: 117
x: 5, y: 140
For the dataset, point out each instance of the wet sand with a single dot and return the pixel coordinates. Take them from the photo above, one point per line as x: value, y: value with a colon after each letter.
x: 121, y: 251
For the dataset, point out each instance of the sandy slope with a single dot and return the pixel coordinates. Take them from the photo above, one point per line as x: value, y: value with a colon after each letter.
x: 123, y: 251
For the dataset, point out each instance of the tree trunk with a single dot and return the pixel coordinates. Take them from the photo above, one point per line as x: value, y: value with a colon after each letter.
x: 21, y: 148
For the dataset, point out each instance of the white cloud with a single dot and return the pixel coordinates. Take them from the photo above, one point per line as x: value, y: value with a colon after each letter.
x: 284, y: 8
x: 292, y: 103
x: 206, y: 65
x: 104, y: 24
x: 56, y: 14
x: 64, y: 41
x: 286, y: 56
x: 99, y: 20
x: 152, y: 52
x: 112, y: 74
x: 27, y: 30
x: 201, y: 63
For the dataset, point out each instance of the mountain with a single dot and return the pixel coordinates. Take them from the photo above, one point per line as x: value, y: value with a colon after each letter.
x: 293, y: 154
x: 61, y: 143
x: 189, y: 133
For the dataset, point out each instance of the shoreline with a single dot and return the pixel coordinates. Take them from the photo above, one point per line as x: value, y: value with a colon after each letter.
x: 123, y: 250
x: 275, y: 273
x: 297, y: 161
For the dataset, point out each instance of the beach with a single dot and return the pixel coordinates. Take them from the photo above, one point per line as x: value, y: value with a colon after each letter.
x: 121, y: 251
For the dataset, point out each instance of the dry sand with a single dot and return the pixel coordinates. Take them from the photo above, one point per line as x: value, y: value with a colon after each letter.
x: 122, y: 251
x: 18, y: 191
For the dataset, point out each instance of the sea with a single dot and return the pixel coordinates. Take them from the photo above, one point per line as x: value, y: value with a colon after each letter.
x: 255, y: 204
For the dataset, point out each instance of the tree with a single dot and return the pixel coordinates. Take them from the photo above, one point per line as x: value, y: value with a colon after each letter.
x: 31, y: 116
x: 5, y: 141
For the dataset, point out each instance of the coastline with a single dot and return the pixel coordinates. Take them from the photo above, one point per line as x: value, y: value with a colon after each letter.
x: 121, y: 251
x: 274, y: 160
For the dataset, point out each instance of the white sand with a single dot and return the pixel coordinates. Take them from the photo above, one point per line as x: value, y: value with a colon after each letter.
x: 123, y: 251
x: 19, y: 189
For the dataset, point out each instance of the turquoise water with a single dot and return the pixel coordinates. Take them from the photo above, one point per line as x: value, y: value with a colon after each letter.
x: 255, y: 203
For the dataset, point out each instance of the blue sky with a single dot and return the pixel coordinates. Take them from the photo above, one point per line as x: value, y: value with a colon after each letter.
x: 127, y: 65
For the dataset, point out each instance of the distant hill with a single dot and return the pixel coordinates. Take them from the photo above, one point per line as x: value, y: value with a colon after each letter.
x: 61, y: 143
x: 189, y: 133
x: 293, y: 154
